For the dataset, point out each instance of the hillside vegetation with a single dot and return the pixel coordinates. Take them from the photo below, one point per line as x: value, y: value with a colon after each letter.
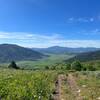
x: 88, y: 56
x: 10, y: 52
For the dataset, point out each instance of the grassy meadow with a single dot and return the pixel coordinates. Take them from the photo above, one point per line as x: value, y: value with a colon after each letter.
x: 57, y: 81
x: 41, y: 84
x: 26, y: 85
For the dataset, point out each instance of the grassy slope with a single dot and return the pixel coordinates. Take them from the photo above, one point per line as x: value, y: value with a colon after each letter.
x: 26, y: 85
x: 89, y: 83
x: 88, y: 56
x: 16, y: 83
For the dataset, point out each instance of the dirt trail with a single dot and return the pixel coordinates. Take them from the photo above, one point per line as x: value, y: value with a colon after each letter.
x: 70, y: 79
x: 58, y: 85
x: 74, y: 87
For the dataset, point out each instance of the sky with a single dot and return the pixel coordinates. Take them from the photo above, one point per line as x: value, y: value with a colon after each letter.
x: 45, y: 23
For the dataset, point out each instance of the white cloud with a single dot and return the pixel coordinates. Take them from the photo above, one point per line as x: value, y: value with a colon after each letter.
x: 26, y: 36
x: 80, y: 19
x: 81, y: 43
x: 40, y: 40
x: 94, y: 32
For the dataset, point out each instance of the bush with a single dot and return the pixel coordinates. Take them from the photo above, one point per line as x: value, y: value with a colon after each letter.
x: 68, y: 67
x: 91, y: 67
x: 13, y: 65
x: 76, y: 65
x: 46, y: 67
x: 84, y: 68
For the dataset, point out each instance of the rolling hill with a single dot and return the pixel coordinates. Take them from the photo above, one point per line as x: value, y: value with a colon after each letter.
x: 9, y: 52
x: 88, y: 56
x: 64, y: 50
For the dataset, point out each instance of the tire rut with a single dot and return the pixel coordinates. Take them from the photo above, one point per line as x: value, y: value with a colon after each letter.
x: 58, y: 85
x: 74, y: 87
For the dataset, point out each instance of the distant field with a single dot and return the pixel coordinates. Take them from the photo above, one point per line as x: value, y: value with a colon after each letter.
x: 49, y: 61
x: 53, y: 59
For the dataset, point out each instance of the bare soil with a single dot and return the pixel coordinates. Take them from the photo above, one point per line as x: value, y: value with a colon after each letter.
x: 58, y: 90
x: 74, y: 87
x: 70, y: 79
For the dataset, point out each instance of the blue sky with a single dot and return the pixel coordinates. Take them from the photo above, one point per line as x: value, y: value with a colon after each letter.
x: 44, y: 23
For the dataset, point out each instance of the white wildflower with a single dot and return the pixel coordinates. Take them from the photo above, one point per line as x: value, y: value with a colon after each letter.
x: 83, y: 86
x: 79, y: 91
x: 98, y: 98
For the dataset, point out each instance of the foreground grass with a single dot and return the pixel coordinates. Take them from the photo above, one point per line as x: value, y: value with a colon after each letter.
x: 81, y: 86
x: 89, y: 83
x: 40, y: 85
x: 26, y: 85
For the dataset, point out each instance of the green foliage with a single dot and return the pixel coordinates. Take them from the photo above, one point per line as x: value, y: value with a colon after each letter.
x: 26, y: 85
x: 90, y: 67
x: 52, y: 60
x: 13, y: 65
x: 84, y: 68
x: 46, y: 67
x: 53, y: 67
x: 76, y: 65
x: 87, y: 56
x: 68, y: 66
x: 89, y: 85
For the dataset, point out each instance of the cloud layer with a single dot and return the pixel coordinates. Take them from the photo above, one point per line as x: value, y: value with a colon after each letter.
x: 42, y: 41
x: 83, y: 19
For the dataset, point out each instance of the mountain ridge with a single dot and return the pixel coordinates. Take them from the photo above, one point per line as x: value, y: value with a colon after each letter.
x: 59, y: 49
x: 9, y: 52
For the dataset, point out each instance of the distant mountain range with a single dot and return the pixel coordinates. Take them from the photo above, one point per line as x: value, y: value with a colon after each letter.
x: 9, y: 52
x: 63, y: 50
x: 88, y: 56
